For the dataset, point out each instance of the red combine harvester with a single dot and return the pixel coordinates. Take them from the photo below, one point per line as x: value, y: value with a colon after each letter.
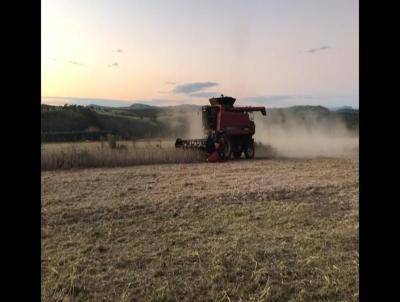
x: 228, y: 130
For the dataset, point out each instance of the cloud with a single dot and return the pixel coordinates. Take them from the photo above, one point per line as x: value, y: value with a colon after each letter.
x: 169, y: 83
x: 75, y: 63
x: 113, y: 65
x: 189, y: 88
x: 312, y: 50
x: 119, y: 50
x: 204, y: 94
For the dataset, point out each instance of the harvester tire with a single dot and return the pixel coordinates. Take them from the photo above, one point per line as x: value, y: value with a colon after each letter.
x: 237, y: 154
x: 226, y: 148
x: 210, y: 148
x: 249, y: 150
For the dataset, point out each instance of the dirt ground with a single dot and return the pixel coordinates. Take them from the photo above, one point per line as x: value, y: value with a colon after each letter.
x: 247, y: 230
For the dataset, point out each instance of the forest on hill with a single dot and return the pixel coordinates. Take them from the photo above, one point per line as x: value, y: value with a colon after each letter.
x: 76, y: 123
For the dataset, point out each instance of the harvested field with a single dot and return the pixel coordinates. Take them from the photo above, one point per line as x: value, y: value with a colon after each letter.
x: 259, y: 230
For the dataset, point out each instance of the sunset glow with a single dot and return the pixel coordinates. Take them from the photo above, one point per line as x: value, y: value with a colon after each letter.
x: 255, y: 50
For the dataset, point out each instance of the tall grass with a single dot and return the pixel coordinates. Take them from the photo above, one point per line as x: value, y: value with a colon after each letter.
x: 101, y: 155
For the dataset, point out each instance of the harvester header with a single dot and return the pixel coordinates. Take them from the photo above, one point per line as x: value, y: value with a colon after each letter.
x: 228, y: 130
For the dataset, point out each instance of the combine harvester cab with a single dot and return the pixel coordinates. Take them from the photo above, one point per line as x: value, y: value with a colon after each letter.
x: 228, y: 130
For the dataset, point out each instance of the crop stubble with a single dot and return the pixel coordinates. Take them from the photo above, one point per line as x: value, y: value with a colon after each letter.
x: 260, y: 230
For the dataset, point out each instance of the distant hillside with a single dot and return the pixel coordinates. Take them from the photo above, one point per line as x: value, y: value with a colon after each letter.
x: 307, y: 108
x: 138, y: 106
x: 58, y: 122
x: 344, y: 109
x: 74, y: 122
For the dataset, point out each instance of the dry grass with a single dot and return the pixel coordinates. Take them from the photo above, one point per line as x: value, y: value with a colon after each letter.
x: 261, y: 230
x: 56, y: 156
x: 96, y: 154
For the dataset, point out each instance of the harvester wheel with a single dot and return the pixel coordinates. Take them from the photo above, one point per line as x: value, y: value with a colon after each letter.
x: 210, y: 148
x: 249, y: 150
x: 237, y: 154
x: 226, y: 148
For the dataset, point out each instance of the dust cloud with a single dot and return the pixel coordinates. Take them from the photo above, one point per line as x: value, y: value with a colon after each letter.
x: 194, y: 125
x: 283, y: 133
x: 185, y: 124
x: 291, y: 136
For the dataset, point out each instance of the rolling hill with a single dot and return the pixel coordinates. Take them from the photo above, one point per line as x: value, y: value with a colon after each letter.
x: 75, y: 122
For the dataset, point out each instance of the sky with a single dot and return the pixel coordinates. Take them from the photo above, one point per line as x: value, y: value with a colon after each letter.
x: 169, y: 52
